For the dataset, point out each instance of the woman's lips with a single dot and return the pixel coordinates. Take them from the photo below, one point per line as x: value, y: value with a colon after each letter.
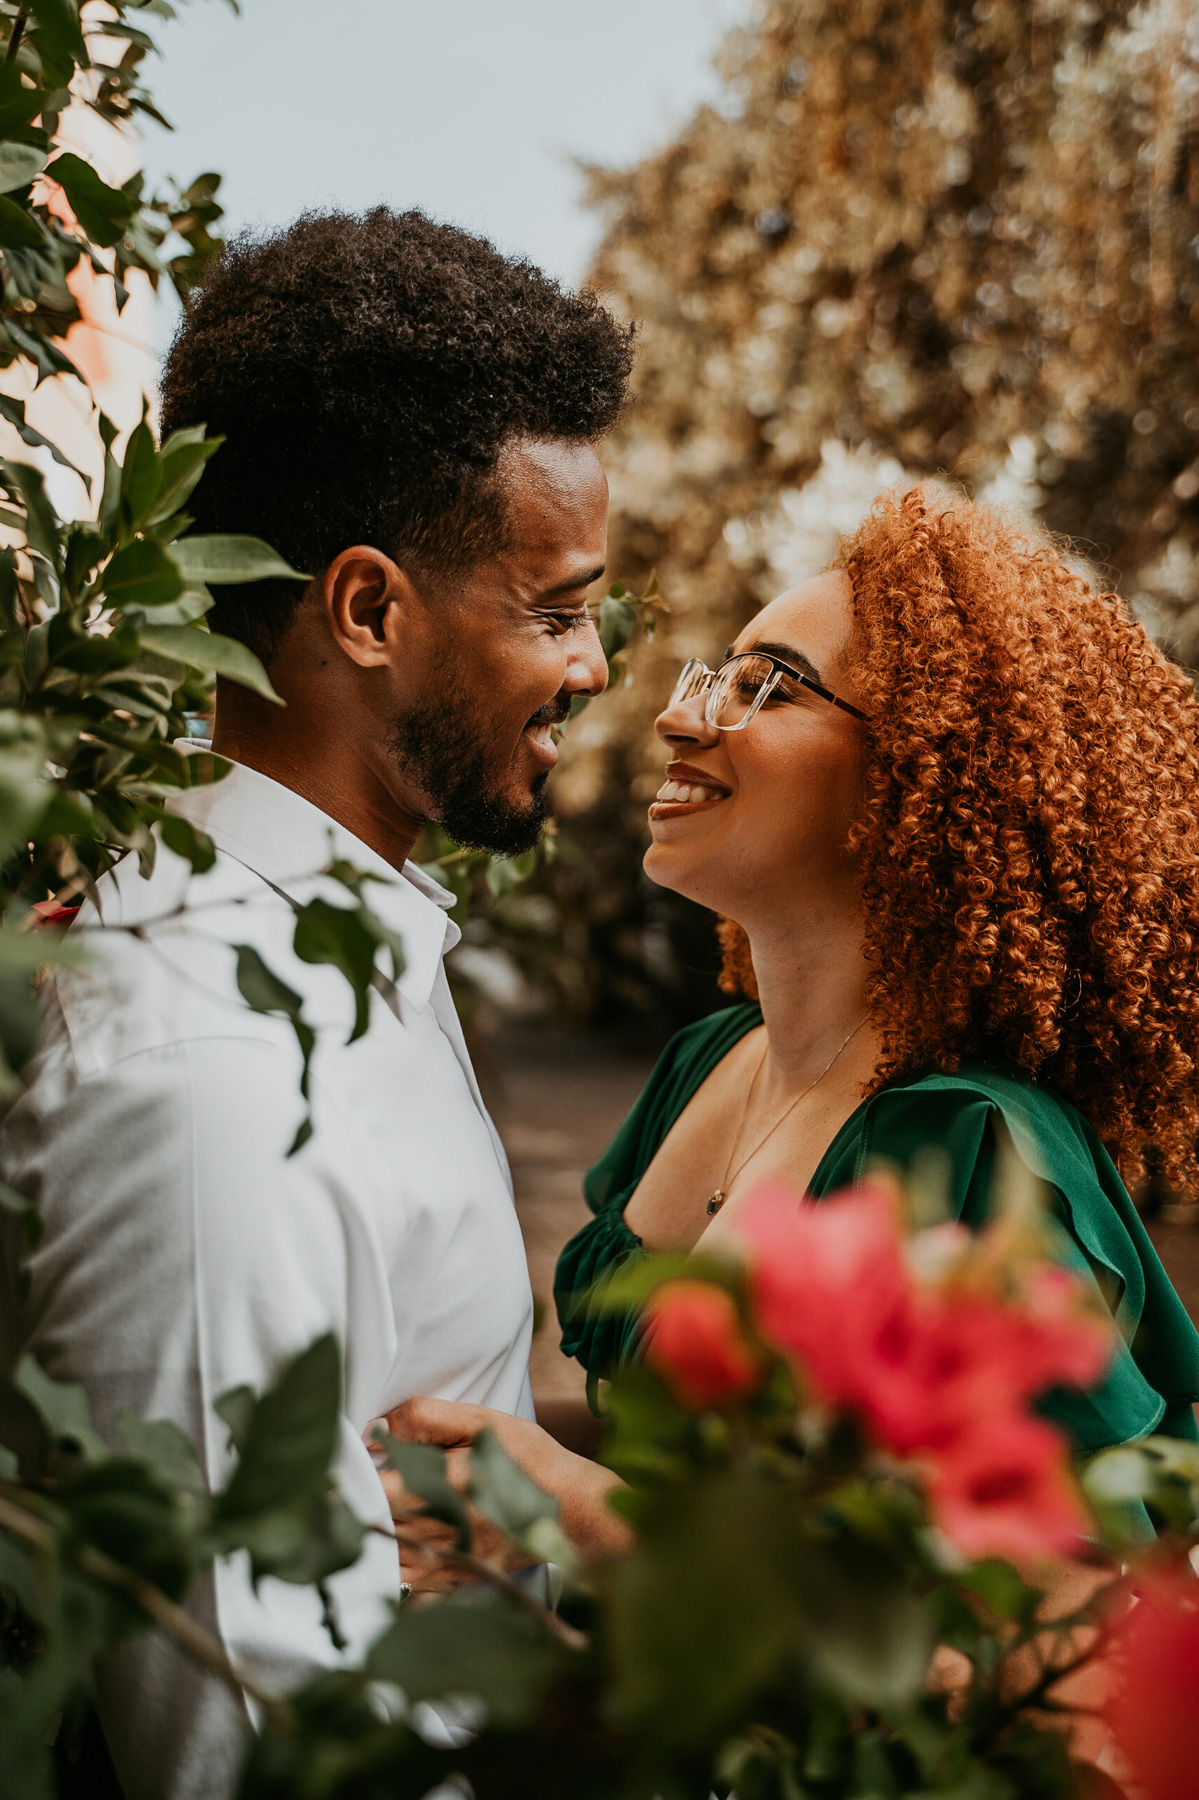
x: 686, y: 789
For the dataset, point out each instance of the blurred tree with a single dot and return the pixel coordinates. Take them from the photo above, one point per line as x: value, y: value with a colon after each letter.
x: 929, y: 238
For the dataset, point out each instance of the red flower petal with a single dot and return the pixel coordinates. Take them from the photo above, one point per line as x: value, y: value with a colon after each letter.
x: 696, y: 1344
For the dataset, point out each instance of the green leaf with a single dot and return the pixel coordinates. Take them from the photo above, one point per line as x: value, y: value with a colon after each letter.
x: 1162, y: 1472
x: 473, y: 1643
x: 127, y: 1510
x: 64, y: 1407
x: 304, y: 1544
x: 19, y: 164
x: 507, y: 872
x: 688, y: 1649
x: 866, y: 1635
x: 339, y: 935
x: 59, y: 20
x: 19, y: 230
x: 184, y: 456
x: 199, y: 648
x: 31, y: 1219
x: 103, y: 212
x: 42, y: 528
x: 261, y: 989
x: 236, y: 1408
x: 1007, y: 1595
x: 161, y: 1443
x: 23, y: 787
x: 287, y: 1439
x: 186, y: 840
x: 14, y: 412
x: 141, y: 476
x: 280, y: 1504
x: 142, y: 574
x: 616, y: 621
x: 423, y: 1469
x: 503, y: 1492
x: 227, y: 559
x: 18, y: 103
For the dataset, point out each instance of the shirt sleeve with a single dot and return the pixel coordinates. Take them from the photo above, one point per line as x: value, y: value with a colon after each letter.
x: 185, y: 1254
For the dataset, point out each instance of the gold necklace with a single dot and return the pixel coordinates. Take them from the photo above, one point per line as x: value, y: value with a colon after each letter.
x: 717, y: 1200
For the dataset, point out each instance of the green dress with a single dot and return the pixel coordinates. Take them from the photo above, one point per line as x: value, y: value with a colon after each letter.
x: 1155, y: 1376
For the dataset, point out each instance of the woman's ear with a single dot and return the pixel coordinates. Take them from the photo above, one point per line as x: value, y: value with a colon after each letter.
x: 368, y: 601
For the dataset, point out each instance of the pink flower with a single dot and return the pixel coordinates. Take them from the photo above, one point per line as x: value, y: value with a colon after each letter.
x: 920, y: 1363
x: 962, y: 1356
x: 1004, y: 1489
x: 1155, y: 1651
x: 829, y: 1281
x: 934, y: 1372
x: 695, y: 1343
x: 1059, y: 1342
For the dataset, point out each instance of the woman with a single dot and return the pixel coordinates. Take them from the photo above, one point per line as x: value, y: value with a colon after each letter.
x: 945, y: 797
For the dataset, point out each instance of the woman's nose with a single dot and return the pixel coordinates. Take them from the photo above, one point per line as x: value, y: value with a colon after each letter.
x: 684, y: 723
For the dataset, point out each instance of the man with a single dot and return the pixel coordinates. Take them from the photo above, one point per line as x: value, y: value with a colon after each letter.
x: 409, y: 417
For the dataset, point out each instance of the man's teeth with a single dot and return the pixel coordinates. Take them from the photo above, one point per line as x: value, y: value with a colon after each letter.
x: 678, y: 793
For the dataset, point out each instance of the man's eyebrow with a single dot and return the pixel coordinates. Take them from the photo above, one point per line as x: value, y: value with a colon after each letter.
x: 573, y: 583
x: 786, y: 653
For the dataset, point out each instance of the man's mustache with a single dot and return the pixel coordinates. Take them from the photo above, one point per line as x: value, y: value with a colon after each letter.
x: 555, y: 713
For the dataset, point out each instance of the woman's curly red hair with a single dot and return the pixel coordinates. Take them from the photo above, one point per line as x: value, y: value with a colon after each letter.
x: 1029, y: 840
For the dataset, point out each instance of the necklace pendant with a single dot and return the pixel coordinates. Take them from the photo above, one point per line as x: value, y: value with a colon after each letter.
x: 715, y: 1203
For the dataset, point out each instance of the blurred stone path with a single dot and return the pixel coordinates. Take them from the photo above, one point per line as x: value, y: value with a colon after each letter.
x: 557, y: 1100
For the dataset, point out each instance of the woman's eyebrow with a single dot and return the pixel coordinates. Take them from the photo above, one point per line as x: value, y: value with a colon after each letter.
x: 786, y: 653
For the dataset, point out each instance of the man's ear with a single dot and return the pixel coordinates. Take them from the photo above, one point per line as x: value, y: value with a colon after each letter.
x: 369, y: 602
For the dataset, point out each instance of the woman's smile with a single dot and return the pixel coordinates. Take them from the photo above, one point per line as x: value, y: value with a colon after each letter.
x: 687, y: 789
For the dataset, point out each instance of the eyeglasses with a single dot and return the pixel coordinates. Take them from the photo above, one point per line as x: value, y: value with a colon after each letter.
x: 742, y: 685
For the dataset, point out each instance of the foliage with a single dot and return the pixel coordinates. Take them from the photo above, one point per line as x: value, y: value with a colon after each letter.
x: 54, y: 59
x: 99, y: 1542
x: 104, y: 653
x: 800, y: 1614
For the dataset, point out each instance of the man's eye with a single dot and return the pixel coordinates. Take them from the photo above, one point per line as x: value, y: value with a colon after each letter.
x: 567, y: 621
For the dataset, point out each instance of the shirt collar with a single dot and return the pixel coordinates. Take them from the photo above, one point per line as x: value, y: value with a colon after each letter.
x: 287, y: 840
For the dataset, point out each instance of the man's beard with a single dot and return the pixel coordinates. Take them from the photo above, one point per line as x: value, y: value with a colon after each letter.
x: 457, y: 777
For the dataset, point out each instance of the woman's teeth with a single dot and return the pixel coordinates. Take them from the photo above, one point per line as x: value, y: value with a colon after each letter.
x: 677, y: 793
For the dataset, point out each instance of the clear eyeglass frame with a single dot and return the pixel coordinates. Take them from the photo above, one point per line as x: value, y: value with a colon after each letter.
x: 720, y: 685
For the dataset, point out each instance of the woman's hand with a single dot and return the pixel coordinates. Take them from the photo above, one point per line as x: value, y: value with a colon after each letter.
x: 580, y: 1487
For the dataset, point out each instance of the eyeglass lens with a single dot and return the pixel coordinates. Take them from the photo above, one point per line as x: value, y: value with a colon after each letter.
x: 693, y: 679
x: 739, y: 690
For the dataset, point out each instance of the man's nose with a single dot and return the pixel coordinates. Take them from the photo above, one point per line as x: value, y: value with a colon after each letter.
x: 587, y: 667
x: 685, y: 723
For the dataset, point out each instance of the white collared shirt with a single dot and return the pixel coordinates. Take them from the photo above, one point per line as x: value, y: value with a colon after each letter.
x: 185, y: 1254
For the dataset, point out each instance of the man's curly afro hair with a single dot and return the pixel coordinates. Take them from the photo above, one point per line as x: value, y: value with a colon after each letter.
x: 365, y: 374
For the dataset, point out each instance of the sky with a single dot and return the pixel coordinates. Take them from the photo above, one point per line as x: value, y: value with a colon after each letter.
x: 472, y: 109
